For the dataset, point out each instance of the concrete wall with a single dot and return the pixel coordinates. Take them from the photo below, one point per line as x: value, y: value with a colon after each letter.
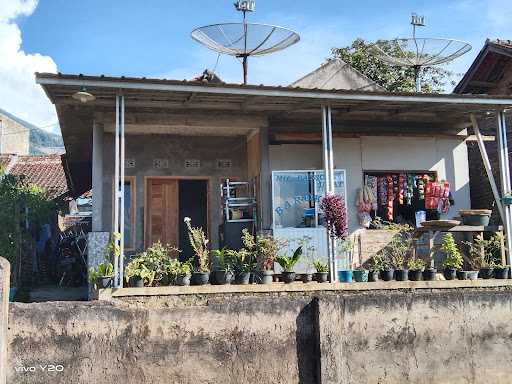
x: 145, y: 148
x: 447, y: 157
x: 402, y: 336
x: 5, y: 273
x: 14, y: 137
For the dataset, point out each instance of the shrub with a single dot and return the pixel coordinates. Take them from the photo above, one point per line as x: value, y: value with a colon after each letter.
x: 335, y: 213
x: 287, y: 262
x: 453, y: 257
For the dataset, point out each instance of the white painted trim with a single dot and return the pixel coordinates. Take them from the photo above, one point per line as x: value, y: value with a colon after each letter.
x: 304, y: 94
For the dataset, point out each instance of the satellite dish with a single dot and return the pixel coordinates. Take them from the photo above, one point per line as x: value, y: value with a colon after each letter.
x: 419, y: 52
x: 243, y: 40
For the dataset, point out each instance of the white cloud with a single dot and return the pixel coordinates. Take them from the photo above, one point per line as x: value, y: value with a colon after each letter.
x: 19, y: 94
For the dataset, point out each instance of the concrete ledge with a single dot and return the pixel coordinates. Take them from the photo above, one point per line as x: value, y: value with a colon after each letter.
x: 105, y: 294
x: 5, y: 275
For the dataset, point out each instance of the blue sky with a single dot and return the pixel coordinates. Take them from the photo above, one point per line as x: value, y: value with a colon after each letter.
x: 152, y: 38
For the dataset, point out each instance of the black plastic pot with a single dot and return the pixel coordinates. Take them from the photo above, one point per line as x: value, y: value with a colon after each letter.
x: 401, y: 274
x: 501, y: 273
x: 267, y: 277
x: 485, y: 273
x: 387, y: 274
x: 200, y: 278
x: 462, y: 275
x: 222, y: 277
x: 136, y: 282
x: 373, y: 276
x: 306, y: 277
x: 104, y: 282
x: 450, y: 273
x: 183, y: 280
x: 288, y: 277
x: 321, y: 277
x: 415, y: 274
x: 429, y: 274
x: 243, y: 278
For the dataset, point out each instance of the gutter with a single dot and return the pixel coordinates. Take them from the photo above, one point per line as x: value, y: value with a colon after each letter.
x: 325, y: 96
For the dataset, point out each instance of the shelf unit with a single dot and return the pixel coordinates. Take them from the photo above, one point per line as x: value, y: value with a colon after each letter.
x: 238, y: 195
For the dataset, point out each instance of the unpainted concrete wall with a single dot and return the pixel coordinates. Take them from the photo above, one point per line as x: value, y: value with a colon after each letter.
x: 403, y: 336
x: 5, y: 272
x: 14, y: 137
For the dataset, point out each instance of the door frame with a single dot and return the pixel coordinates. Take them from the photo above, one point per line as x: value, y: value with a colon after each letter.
x: 147, y: 180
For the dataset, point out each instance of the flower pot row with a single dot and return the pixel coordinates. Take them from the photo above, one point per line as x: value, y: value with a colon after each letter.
x: 483, y: 273
x: 363, y: 276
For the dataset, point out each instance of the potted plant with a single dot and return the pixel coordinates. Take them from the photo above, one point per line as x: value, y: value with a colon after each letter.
x: 480, y: 257
x: 222, y: 267
x: 199, y: 243
x: 183, y: 273
x: 158, y: 259
x: 453, y: 260
x: 102, y: 275
x: 501, y: 271
x: 137, y: 273
x: 374, y: 267
x: 242, y: 265
x: 397, y: 252
x: 288, y: 263
x: 322, y: 271
x: 386, y: 271
x: 415, y: 267
x: 308, y: 253
x: 263, y: 249
x: 475, y: 217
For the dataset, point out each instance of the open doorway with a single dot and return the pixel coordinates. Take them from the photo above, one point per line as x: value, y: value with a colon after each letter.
x: 192, y: 203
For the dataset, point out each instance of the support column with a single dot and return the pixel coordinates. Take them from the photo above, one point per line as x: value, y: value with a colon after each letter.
x: 97, y: 177
x: 505, y: 178
x: 265, y: 181
x: 328, y: 161
x: 119, y: 190
x: 5, y: 275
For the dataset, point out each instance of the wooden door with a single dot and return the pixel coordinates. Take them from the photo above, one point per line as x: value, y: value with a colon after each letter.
x: 162, y: 212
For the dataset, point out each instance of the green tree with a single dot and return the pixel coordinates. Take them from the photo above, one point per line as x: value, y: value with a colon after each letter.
x: 20, y: 203
x: 393, y: 78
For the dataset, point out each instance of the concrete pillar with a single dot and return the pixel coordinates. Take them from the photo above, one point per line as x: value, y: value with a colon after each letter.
x: 97, y: 243
x: 97, y: 177
x: 5, y: 274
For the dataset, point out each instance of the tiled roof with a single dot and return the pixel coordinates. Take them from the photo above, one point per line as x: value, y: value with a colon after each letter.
x: 44, y: 171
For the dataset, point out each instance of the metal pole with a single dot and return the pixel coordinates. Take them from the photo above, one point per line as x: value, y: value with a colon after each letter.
x: 330, y: 154
x: 505, y: 178
x: 417, y: 78
x: 488, y: 168
x: 116, y: 184
x: 121, y: 195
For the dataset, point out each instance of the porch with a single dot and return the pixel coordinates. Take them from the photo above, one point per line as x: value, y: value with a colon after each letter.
x: 168, y: 132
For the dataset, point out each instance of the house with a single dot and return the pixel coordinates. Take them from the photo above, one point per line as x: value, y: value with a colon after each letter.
x: 178, y: 141
x: 491, y: 74
x: 14, y: 135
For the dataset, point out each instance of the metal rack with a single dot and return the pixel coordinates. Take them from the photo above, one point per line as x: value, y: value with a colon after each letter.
x: 232, y: 200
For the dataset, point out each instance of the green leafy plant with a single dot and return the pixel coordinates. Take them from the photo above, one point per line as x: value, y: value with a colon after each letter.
x: 320, y: 267
x: 262, y: 248
x: 220, y: 259
x: 416, y: 264
x: 138, y: 270
x: 105, y: 269
x: 199, y: 244
x: 481, y: 252
x: 241, y: 261
x: 453, y: 258
x: 379, y: 263
x: 398, y: 251
x: 288, y: 262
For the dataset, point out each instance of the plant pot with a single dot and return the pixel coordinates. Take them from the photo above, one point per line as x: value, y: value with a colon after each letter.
x: 104, y: 282
x: 321, y: 277
x: 485, y: 273
x: 306, y: 277
x: 475, y: 217
x: 401, y: 274
x: 345, y: 276
x: 387, y: 274
x: 361, y: 275
x: 450, y: 273
x: 501, y: 273
x: 429, y: 274
x: 136, y: 282
x: 288, y: 277
x: 200, y: 278
x: 243, y: 278
x: 415, y: 274
x: 267, y: 277
x: 472, y: 275
x: 183, y: 280
x: 12, y: 293
x: 462, y: 275
x: 222, y: 277
x: 373, y: 276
